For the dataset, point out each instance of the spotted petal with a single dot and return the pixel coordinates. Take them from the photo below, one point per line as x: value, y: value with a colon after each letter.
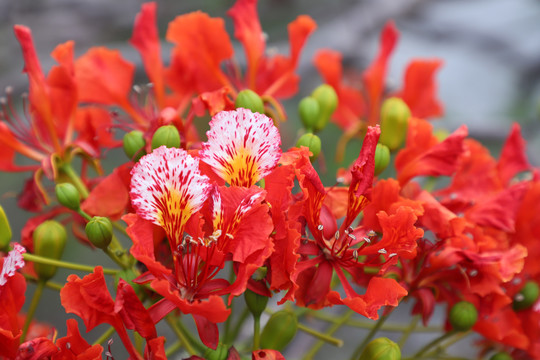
x: 242, y: 147
x: 167, y: 188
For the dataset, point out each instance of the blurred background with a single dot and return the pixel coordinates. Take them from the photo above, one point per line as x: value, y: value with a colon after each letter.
x: 490, y: 48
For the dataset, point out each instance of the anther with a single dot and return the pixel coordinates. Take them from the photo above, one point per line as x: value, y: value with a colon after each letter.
x: 382, y: 251
x: 320, y: 227
x: 371, y: 233
x: 368, y: 240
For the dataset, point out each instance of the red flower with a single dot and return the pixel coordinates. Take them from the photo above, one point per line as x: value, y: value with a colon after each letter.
x: 359, y: 106
x: 12, y: 289
x: 339, y: 250
x: 47, y: 134
x: 90, y: 300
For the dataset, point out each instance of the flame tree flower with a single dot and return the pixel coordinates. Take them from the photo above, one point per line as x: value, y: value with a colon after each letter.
x: 51, y: 129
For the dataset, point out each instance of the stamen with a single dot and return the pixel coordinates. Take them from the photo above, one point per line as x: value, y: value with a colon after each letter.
x: 336, y: 235
x: 382, y: 251
x: 473, y: 272
x: 371, y: 233
x: 320, y: 227
x: 351, y: 236
x: 368, y: 240
x: 392, y: 255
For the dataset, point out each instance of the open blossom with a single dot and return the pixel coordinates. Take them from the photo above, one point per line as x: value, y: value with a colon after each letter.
x: 243, y: 147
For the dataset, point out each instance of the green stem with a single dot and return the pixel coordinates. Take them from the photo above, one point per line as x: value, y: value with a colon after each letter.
x: 341, y: 321
x: 409, y: 330
x: 368, y: 324
x: 106, y: 335
x: 432, y: 343
x: 180, y: 334
x: 84, y: 215
x: 48, y: 284
x: 75, y: 179
x: 173, y: 348
x: 458, y: 337
x: 321, y: 336
x: 32, y: 308
x: 138, y: 342
x: 256, y: 332
x: 64, y: 264
x: 112, y: 255
x: 369, y: 336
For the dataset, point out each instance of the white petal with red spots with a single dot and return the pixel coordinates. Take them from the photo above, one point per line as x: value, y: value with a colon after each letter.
x: 243, y: 147
x: 167, y: 188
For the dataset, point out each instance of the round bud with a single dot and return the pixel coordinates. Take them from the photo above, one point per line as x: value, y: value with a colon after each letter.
x: 220, y: 353
x: 381, y: 349
x: 501, y: 356
x: 311, y: 141
x: 527, y: 296
x: 279, y: 330
x: 49, y: 241
x: 463, y: 316
x: 382, y: 158
x: 256, y: 303
x: 308, y: 110
x: 395, y: 116
x: 99, y: 231
x: 328, y: 100
x: 5, y: 231
x: 68, y: 195
x: 167, y: 135
x: 134, y: 145
x: 249, y: 99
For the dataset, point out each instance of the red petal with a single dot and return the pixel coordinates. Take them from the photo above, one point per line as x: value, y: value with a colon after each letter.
x: 201, y: 45
x: 374, y: 77
x: 110, y: 197
x: 75, y: 345
x: 247, y: 29
x: 133, y: 312
x: 208, y: 331
x: 380, y: 292
x: 513, y: 158
x: 419, y: 91
x: 145, y: 39
x: 266, y: 355
x: 421, y: 157
x: 89, y: 299
x: 105, y: 78
x: 11, y: 302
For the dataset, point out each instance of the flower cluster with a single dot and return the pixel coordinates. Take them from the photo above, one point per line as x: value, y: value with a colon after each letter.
x: 195, y: 222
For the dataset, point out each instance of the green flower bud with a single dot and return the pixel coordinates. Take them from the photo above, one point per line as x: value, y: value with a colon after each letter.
x: 49, y: 241
x: 99, y: 231
x: 134, y: 145
x: 167, y: 135
x: 501, y: 356
x: 395, y: 116
x: 256, y: 303
x: 68, y: 196
x: 308, y: 110
x: 527, y: 296
x: 311, y: 141
x: 249, y: 99
x: 328, y: 100
x: 221, y: 353
x: 463, y: 316
x: 382, y: 158
x: 279, y: 330
x: 381, y: 349
x: 5, y: 230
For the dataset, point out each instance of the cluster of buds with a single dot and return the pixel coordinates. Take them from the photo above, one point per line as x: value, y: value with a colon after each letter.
x: 201, y: 225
